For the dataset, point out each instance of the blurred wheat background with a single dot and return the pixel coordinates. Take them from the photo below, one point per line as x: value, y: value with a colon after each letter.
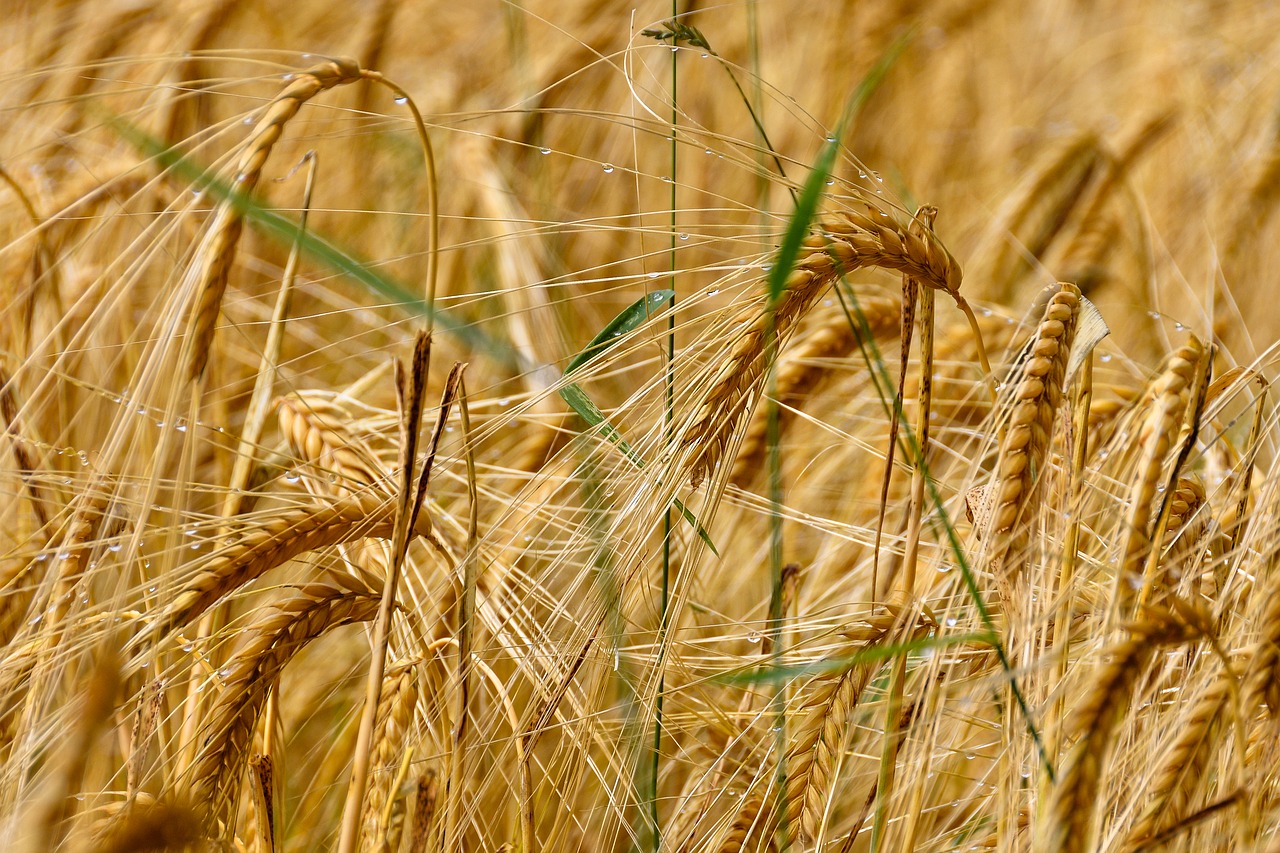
x: 472, y: 426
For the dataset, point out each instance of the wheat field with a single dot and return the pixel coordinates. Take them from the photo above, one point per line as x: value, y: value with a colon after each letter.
x: 577, y: 426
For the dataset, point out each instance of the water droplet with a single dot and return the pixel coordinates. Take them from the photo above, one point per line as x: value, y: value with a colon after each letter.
x: 951, y: 621
x: 986, y: 312
x: 831, y: 137
x: 1154, y: 315
x: 708, y: 151
x: 181, y: 427
x: 666, y: 179
x: 608, y: 168
x: 402, y: 100
x: 674, y: 48
x: 197, y: 192
x: 969, y: 756
x: 64, y: 555
x: 1178, y: 327
x: 753, y: 637
x: 831, y: 182
x: 189, y: 647
x: 1105, y: 357
x: 292, y: 476
x: 654, y: 274
x: 544, y: 150
x: 943, y: 568
x: 703, y: 55
x: 115, y: 547
x: 287, y: 77
x: 84, y: 457
x: 249, y: 119
x: 713, y: 291
x: 505, y: 401
x: 152, y: 589
x: 684, y: 236
x: 766, y: 267
x: 40, y: 558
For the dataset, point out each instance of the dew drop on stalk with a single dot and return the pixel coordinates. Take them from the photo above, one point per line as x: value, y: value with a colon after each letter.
x: 608, y: 168
x: 402, y: 100
x: 544, y: 150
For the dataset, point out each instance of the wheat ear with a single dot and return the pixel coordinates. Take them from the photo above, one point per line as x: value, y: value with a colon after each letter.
x: 1069, y: 824
x: 273, y: 638
x: 1020, y: 465
x: 1159, y: 430
x: 1183, y: 765
x: 396, y: 708
x: 218, y: 249
x: 802, y: 371
x: 262, y: 547
x: 854, y: 242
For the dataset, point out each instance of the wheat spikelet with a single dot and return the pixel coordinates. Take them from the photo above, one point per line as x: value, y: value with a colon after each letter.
x: 218, y: 249
x: 1159, y: 429
x: 1069, y: 823
x: 279, y: 632
x: 396, y: 708
x: 801, y: 371
x: 856, y: 241
x: 1183, y: 764
x: 256, y: 550
x: 1036, y: 398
